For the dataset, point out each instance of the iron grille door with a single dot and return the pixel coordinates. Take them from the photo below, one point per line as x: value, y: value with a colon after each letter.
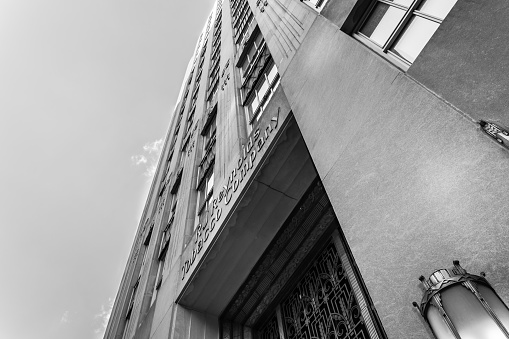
x: 327, y: 302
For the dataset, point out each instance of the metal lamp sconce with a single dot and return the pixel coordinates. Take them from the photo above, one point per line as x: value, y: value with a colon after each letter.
x: 500, y: 134
x: 459, y: 305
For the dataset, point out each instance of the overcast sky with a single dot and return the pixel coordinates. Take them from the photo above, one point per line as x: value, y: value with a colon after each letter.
x: 87, y: 89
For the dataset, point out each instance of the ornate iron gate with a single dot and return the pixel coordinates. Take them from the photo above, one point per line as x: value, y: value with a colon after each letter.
x: 328, y: 300
x: 323, y: 304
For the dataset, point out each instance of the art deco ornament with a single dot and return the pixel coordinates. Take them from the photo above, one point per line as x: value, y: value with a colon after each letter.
x: 459, y: 305
x: 499, y: 133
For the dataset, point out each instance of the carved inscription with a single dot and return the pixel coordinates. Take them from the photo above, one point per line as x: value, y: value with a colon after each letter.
x: 245, y: 164
x: 261, y: 5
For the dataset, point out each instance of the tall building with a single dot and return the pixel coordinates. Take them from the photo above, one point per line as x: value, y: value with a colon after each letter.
x: 321, y: 157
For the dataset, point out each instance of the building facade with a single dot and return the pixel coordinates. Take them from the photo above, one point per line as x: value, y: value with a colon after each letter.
x: 321, y: 157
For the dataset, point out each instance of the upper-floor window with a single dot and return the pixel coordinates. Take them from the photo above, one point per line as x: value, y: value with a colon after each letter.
x: 168, y: 164
x: 209, y: 135
x: 243, y: 30
x: 166, y: 235
x: 253, y: 54
x: 131, y: 299
x: 316, y: 4
x: 205, y: 184
x: 205, y: 197
x: 263, y: 90
x: 242, y: 16
x: 259, y: 76
x: 401, y: 28
x: 181, y: 159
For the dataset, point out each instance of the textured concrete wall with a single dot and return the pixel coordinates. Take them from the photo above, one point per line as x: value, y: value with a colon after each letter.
x: 413, y: 182
x: 466, y: 61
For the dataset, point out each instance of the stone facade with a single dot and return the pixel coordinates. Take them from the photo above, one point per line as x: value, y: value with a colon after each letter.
x: 412, y: 179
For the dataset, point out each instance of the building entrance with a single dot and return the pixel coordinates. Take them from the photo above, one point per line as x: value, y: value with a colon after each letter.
x: 323, y: 304
x: 306, y: 285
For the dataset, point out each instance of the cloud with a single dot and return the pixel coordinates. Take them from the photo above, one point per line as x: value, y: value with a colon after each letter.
x: 149, y: 159
x: 65, y: 317
x: 139, y: 159
x: 151, y: 170
x: 154, y: 147
x: 103, y: 316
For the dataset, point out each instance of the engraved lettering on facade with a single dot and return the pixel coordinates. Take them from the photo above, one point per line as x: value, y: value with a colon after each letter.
x: 245, y: 164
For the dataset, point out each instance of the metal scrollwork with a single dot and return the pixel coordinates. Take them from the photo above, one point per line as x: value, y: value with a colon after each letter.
x: 323, y: 304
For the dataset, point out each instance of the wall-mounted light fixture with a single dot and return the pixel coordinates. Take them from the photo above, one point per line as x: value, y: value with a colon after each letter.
x: 500, y: 134
x: 458, y: 305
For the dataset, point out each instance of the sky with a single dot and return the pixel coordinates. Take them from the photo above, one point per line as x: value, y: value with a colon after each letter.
x: 87, y: 90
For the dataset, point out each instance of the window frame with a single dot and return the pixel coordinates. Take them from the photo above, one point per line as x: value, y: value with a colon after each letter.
x: 250, y: 61
x: 204, y: 198
x: 209, y: 134
x: 254, y: 115
x: 317, y: 5
x: 385, y: 51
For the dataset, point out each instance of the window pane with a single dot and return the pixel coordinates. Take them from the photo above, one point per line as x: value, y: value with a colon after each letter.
x: 272, y: 73
x: 259, y: 40
x: 245, y: 66
x: 382, y: 21
x: 201, y: 199
x: 251, y: 53
x: 210, y: 184
x: 414, y: 37
x: 437, y: 8
x: 262, y: 87
x: 254, y: 104
x: 405, y: 3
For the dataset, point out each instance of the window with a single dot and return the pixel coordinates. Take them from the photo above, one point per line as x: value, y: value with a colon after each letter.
x: 189, y: 123
x: 146, y: 242
x: 181, y: 159
x: 213, y: 80
x: 178, y: 175
x: 205, y: 183
x: 159, y: 281
x: 163, y: 247
x: 168, y: 165
x: 243, y: 31
x: 259, y: 76
x: 263, y: 90
x: 205, y: 197
x: 242, y: 16
x: 253, y: 54
x: 209, y: 136
x: 401, y: 28
x: 131, y: 300
x: 317, y: 4
x: 165, y: 241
